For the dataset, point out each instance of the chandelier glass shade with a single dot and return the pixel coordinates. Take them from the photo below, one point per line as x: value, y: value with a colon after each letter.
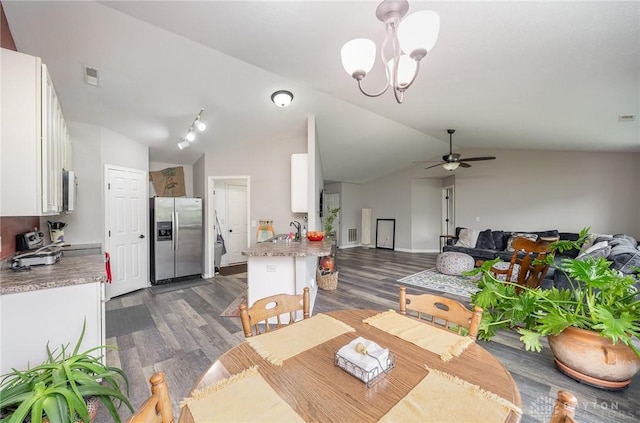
x: 406, y: 43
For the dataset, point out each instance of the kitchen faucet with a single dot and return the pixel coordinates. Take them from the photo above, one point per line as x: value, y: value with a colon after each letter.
x: 296, y: 225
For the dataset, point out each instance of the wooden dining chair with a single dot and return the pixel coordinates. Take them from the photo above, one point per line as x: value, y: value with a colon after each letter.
x: 523, y: 268
x: 441, y: 311
x: 564, y: 410
x: 157, y: 408
x: 258, y: 315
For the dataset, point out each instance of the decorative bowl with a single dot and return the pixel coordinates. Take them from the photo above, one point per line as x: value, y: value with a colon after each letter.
x: 315, y: 236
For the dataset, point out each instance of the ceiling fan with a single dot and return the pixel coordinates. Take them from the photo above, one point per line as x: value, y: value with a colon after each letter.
x: 452, y: 160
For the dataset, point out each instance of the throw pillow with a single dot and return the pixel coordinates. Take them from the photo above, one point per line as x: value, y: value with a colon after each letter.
x: 601, y: 249
x: 500, y: 240
x: 591, y: 239
x: 467, y: 238
x: 485, y: 240
x: 532, y: 237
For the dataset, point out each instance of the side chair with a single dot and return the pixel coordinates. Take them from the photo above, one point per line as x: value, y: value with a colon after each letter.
x: 442, y: 311
x: 274, y: 306
x: 564, y: 410
x: 522, y: 269
x: 157, y: 408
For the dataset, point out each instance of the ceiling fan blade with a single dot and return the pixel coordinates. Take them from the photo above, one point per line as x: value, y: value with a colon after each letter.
x: 435, y: 165
x: 477, y: 159
x: 427, y: 161
x: 463, y: 164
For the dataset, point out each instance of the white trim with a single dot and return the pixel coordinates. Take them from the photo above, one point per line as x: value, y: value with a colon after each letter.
x: 209, y: 266
x: 105, y: 197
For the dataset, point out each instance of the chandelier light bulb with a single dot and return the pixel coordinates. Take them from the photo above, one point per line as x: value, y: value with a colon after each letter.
x: 191, y: 136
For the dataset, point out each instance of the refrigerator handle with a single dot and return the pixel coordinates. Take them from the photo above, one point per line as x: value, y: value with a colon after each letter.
x: 174, y: 231
x: 177, y: 231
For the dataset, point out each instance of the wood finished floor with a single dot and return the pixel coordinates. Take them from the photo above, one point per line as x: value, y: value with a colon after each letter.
x: 189, y: 335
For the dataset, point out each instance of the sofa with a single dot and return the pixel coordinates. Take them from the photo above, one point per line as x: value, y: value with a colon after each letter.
x: 621, y: 250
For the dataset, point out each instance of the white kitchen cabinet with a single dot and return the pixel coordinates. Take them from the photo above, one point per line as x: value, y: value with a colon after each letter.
x: 299, y: 182
x: 35, y: 139
x: 55, y: 316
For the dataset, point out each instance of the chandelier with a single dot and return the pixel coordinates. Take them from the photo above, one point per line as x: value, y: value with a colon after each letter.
x: 408, y: 44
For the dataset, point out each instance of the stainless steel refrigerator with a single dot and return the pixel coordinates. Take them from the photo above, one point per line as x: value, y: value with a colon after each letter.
x: 176, y: 245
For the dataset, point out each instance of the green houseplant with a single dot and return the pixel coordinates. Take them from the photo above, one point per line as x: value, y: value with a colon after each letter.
x: 328, y: 220
x: 60, y: 386
x: 602, y: 300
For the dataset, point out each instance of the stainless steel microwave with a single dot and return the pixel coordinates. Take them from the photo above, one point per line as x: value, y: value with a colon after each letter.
x: 69, y: 191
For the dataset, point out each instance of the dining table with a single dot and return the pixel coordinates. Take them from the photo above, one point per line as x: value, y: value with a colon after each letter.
x: 423, y: 384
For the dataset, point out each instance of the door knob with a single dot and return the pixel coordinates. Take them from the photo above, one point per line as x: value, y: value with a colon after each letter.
x: 141, y: 236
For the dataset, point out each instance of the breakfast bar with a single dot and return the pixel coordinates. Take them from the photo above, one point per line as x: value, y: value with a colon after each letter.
x: 284, y: 267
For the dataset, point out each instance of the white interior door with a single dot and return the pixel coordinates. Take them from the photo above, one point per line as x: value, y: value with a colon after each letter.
x: 236, y: 222
x: 126, y: 229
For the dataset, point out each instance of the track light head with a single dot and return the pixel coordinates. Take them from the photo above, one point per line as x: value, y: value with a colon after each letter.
x: 183, y: 144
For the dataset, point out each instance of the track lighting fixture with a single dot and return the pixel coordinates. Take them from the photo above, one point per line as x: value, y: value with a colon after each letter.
x: 190, y: 137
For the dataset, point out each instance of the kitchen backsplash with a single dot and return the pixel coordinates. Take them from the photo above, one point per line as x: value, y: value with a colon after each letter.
x: 12, y: 226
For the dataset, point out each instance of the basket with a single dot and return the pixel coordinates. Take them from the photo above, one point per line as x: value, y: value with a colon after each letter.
x: 328, y: 282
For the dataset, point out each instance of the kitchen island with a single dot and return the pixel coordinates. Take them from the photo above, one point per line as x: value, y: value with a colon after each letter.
x: 49, y: 303
x: 283, y: 267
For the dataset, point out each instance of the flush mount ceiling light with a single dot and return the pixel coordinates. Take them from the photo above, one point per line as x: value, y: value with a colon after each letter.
x: 282, y: 98
x: 198, y: 124
x: 410, y: 43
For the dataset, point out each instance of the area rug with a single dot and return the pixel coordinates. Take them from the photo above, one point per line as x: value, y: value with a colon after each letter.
x: 234, y: 269
x: 461, y: 286
x: 233, y: 309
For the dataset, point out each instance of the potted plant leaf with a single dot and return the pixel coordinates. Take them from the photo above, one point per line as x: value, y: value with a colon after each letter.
x: 593, y: 327
x: 59, y: 389
x: 329, y: 219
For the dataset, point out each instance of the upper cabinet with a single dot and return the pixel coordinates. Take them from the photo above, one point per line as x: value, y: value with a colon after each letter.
x: 35, y: 142
x: 299, y: 182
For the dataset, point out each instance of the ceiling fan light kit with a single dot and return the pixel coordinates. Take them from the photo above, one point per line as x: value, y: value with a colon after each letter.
x: 409, y: 44
x: 452, y: 161
x: 185, y: 142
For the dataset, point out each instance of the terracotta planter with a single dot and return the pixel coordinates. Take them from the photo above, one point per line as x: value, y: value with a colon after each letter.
x: 586, y: 356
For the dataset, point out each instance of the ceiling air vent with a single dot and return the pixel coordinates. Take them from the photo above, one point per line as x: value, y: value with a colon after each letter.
x: 91, y: 76
x: 626, y: 118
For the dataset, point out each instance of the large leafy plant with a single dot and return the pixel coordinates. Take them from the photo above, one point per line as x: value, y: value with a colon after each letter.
x: 58, y: 388
x: 329, y: 218
x: 600, y: 299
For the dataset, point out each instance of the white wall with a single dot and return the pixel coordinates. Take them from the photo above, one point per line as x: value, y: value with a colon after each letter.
x: 93, y: 147
x: 520, y: 190
x: 268, y: 164
x: 536, y: 190
x: 188, y: 176
x: 426, y: 214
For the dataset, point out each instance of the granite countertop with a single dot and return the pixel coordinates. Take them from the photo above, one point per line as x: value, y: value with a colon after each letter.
x: 66, y: 272
x: 294, y: 249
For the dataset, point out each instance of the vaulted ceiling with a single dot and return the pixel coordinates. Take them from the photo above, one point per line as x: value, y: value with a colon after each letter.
x: 549, y: 75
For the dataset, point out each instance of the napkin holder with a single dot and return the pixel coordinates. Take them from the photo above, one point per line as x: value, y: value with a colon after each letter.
x: 344, y: 358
